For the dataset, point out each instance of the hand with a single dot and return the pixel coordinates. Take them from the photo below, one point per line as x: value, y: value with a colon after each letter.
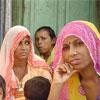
x: 62, y: 73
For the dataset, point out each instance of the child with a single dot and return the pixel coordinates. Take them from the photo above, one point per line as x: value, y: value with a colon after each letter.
x: 37, y: 88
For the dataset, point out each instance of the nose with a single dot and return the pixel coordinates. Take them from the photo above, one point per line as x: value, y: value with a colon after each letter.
x: 23, y: 46
x: 39, y: 41
x: 72, y: 51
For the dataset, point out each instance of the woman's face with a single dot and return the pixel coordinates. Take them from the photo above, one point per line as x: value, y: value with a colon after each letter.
x: 43, y: 42
x: 75, y: 53
x: 23, y: 49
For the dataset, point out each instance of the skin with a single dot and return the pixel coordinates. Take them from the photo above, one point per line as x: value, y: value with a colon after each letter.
x: 22, y: 51
x: 20, y: 58
x: 44, y: 43
x: 76, y: 57
x: 76, y: 53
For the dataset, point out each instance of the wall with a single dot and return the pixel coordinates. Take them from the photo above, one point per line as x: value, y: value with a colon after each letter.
x: 55, y: 13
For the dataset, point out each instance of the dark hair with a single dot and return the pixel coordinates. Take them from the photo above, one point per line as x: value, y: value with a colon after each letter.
x: 49, y: 29
x: 3, y: 86
x: 37, y: 88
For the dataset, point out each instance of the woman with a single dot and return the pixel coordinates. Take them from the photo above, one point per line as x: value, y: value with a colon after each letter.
x: 79, y: 51
x: 18, y: 63
x: 45, y: 39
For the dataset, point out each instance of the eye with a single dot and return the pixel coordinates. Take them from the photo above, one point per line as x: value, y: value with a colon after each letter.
x: 43, y: 38
x: 66, y: 47
x: 79, y: 43
x: 27, y: 42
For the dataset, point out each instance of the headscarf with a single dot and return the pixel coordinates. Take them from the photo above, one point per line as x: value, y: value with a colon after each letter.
x: 9, y: 45
x: 89, y: 34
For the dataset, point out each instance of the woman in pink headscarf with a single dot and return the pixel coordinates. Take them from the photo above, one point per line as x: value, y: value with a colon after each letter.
x: 18, y: 63
x: 77, y: 52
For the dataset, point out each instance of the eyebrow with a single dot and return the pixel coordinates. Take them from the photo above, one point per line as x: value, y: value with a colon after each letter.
x: 75, y: 40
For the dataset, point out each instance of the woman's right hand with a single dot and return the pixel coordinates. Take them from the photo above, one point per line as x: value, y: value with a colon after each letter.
x: 62, y: 73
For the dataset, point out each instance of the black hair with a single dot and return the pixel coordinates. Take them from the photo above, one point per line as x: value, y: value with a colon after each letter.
x: 3, y: 86
x: 37, y: 88
x: 49, y: 29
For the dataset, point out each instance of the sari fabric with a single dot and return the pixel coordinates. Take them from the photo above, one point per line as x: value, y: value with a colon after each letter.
x: 50, y: 58
x: 88, y: 33
x: 9, y: 45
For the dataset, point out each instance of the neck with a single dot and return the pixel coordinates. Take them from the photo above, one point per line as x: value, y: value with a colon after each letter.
x: 20, y: 69
x: 88, y: 73
x: 46, y: 55
x: 20, y: 63
x: 90, y: 83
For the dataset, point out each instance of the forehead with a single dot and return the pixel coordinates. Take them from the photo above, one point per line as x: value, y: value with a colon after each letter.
x: 71, y: 39
x: 26, y: 38
x: 42, y: 33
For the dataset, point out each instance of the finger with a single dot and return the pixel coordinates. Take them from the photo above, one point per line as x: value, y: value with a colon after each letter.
x: 67, y: 67
x: 72, y: 72
x: 62, y: 68
x: 70, y: 67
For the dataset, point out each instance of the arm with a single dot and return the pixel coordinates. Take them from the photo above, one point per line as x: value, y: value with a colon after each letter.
x: 55, y: 91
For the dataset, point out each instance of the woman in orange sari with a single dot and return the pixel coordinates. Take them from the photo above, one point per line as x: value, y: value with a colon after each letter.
x: 18, y: 63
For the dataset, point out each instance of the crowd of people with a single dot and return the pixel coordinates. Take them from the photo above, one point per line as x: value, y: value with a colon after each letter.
x: 67, y: 67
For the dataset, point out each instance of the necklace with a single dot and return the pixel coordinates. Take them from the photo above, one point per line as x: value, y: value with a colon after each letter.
x: 19, y: 90
x: 19, y: 82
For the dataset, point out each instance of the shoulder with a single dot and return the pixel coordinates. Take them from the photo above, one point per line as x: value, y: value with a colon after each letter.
x: 41, y: 71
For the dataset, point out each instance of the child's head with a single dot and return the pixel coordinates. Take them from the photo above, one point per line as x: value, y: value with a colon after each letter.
x: 2, y: 88
x: 37, y: 88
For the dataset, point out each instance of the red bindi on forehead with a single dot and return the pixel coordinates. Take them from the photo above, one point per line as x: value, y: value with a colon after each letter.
x: 71, y: 39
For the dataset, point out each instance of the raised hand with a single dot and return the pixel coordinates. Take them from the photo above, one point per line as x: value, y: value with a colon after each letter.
x: 62, y: 73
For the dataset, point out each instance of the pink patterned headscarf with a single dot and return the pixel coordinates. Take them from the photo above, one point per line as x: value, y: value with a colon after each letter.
x: 9, y: 45
x: 89, y: 34
x: 86, y: 34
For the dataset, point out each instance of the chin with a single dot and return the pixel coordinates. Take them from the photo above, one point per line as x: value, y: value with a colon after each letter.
x: 78, y: 67
x: 43, y: 52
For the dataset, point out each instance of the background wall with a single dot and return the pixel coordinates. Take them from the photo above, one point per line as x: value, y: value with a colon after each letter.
x: 5, y: 17
x: 98, y: 13
x: 1, y: 19
x: 55, y: 13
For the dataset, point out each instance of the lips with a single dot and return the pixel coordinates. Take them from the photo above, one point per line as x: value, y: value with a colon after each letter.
x: 40, y: 47
x: 75, y: 62
x: 23, y: 53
